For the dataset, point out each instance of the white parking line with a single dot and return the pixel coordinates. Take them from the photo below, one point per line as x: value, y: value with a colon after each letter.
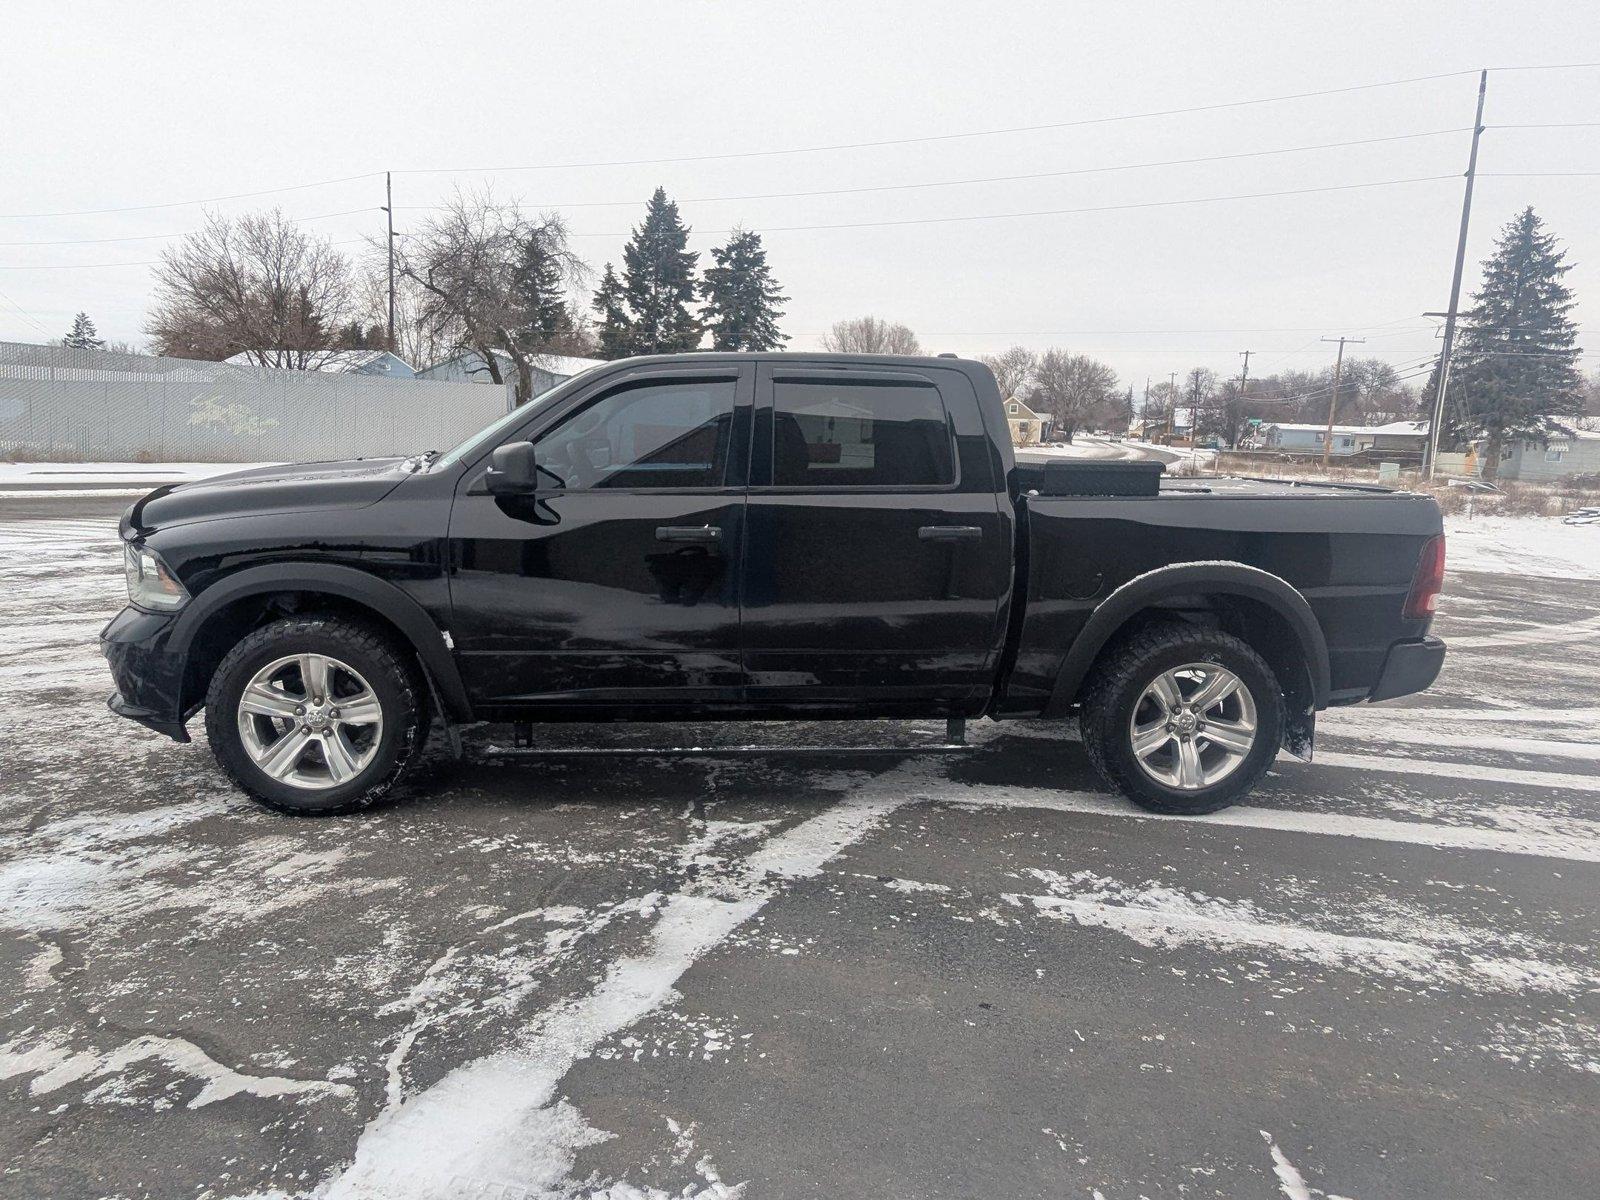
x: 1568, y: 840
x: 1452, y: 770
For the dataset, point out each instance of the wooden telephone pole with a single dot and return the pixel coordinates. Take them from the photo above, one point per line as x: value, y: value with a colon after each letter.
x: 1455, y: 285
x: 1333, y: 400
x: 388, y: 207
x: 1172, y: 403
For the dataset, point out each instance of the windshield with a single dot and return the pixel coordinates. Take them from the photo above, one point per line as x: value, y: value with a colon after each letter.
x: 491, y: 433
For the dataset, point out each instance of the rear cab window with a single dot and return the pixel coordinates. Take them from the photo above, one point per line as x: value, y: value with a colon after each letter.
x: 857, y: 432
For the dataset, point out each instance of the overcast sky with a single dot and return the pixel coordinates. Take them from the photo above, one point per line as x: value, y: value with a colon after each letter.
x: 112, y: 105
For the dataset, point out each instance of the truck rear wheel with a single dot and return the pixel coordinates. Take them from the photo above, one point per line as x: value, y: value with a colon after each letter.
x: 1182, y: 719
x: 316, y: 715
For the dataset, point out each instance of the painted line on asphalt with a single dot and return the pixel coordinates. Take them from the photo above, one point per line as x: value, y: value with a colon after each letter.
x: 1560, y: 780
x: 1556, y: 841
x: 1375, y: 733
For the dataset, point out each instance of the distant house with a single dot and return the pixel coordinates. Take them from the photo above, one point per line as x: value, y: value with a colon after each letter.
x: 468, y: 366
x: 1154, y: 429
x: 332, y: 362
x: 1028, y: 428
x: 1308, y: 439
x: 1565, y: 451
x: 1406, y: 436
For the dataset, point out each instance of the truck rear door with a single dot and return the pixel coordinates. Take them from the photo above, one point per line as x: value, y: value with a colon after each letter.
x: 878, y: 555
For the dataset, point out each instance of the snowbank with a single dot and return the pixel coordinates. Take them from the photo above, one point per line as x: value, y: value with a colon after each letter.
x: 1537, y: 546
x: 61, y: 476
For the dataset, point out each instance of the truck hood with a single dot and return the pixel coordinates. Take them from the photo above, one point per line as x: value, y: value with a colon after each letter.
x: 293, y: 487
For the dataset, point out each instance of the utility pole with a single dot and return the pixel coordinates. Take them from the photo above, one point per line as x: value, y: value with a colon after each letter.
x: 1333, y: 400
x: 388, y: 207
x: 1144, y: 413
x: 1172, y: 403
x: 1244, y: 380
x: 1455, y: 285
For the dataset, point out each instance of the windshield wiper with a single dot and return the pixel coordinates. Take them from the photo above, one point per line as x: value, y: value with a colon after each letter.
x: 420, y: 462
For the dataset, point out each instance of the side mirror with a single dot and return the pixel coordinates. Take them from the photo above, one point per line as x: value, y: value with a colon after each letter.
x: 512, y: 470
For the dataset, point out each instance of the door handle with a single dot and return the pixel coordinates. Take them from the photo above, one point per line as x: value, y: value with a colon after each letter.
x: 950, y: 533
x: 688, y: 533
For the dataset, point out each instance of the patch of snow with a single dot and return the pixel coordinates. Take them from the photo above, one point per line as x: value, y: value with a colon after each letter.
x: 53, y: 1066
x: 499, y: 1117
x: 1290, y: 1182
x: 1163, y: 917
x: 29, y: 478
x: 1538, y: 546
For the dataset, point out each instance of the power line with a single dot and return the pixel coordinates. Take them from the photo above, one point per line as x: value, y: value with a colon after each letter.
x: 941, y: 137
x: 895, y: 187
x: 816, y: 149
x: 1056, y: 212
x: 96, y: 212
x: 1049, y: 212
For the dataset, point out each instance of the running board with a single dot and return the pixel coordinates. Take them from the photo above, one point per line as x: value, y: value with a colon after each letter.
x: 955, y: 741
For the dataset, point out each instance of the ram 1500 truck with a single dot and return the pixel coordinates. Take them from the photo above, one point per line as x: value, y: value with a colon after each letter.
x: 764, y: 536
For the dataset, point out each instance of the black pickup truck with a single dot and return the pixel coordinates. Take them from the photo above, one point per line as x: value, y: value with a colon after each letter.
x: 773, y: 536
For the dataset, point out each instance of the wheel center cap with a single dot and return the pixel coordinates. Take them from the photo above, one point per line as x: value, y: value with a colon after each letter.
x: 316, y: 719
x: 1186, y: 723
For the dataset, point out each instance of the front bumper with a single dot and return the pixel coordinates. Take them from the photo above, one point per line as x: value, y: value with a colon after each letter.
x: 149, y: 677
x: 1410, y: 667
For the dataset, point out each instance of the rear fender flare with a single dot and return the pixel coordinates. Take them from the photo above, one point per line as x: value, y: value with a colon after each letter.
x: 382, y: 597
x: 1189, y: 579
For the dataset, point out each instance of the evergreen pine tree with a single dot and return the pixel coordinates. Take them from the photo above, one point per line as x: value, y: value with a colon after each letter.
x: 84, y: 336
x: 1515, y: 363
x: 742, y: 297
x: 616, y: 330
x: 538, y: 286
x: 658, y: 281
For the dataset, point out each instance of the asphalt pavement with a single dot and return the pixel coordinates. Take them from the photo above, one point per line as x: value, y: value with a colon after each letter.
x: 862, y: 975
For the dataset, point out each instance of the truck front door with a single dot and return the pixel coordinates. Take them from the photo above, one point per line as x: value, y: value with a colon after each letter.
x: 617, y: 580
x: 878, y: 556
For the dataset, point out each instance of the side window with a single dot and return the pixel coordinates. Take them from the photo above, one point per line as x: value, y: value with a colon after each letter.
x: 652, y: 434
x: 855, y: 433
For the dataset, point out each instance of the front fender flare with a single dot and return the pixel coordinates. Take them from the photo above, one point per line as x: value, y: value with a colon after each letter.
x: 1190, y: 579
x: 379, y: 595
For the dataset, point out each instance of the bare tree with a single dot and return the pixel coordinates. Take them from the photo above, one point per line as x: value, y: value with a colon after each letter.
x: 1013, y: 371
x: 490, y: 279
x: 258, y: 285
x: 1071, y: 388
x: 870, y: 335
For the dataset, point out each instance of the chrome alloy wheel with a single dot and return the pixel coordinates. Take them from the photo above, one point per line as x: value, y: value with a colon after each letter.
x: 1193, y: 726
x: 310, y: 721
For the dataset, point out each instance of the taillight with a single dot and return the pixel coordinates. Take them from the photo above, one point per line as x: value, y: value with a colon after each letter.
x: 1428, y: 581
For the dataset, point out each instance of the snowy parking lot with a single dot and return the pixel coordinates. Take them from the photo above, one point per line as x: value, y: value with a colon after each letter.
x: 860, y: 975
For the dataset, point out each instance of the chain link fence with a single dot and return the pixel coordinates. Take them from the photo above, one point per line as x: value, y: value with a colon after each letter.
x: 67, y: 405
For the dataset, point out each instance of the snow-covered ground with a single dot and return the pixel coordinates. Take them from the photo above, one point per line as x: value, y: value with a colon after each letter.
x: 1538, y: 546
x: 975, y: 974
x: 76, y: 478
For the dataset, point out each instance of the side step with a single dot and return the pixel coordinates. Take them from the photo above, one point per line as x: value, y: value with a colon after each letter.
x: 523, y: 747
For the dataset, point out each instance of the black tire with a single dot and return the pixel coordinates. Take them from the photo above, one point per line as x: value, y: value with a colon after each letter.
x: 1106, y: 711
x: 391, y: 673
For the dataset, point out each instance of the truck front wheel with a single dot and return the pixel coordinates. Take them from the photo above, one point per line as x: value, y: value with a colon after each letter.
x: 316, y: 715
x: 1182, y: 719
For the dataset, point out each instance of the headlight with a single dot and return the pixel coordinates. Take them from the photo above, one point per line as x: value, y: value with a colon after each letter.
x: 150, y: 584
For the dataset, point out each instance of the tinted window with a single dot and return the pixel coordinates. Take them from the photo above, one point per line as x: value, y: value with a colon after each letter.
x: 647, y: 435
x: 858, y: 434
